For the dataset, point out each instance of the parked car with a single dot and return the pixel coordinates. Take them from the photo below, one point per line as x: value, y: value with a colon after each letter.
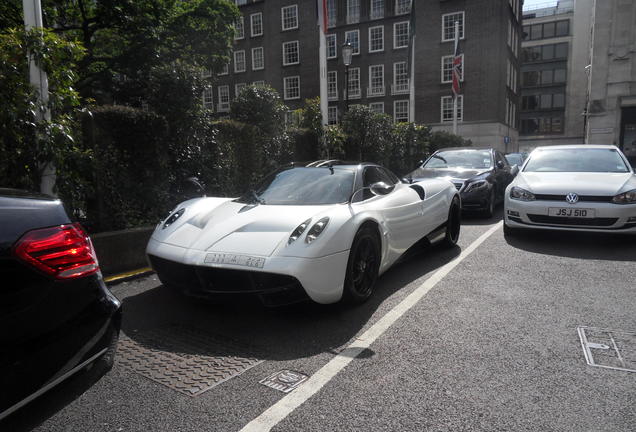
x: 516, y: 158
x: 322, y: 231
x: 56, y: 314
x: 574, y: 188
x: 479, y: 174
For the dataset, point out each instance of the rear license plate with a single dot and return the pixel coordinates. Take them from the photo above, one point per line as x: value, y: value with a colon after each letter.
x: 240, y: 260
x: 571, y: 212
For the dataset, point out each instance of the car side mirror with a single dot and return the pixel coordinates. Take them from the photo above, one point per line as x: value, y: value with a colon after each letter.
x: 381, y: 188
x: 515, y: 170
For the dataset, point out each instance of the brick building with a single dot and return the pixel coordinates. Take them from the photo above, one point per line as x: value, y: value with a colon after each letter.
x: 277, y: 43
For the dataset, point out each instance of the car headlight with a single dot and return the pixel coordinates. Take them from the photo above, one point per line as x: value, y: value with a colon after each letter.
x: 300, y: 229
x: 317, y: 229
x: 173, y: 218
x: 521, y: 194
x: 628, y: 197
x: 479, y: 184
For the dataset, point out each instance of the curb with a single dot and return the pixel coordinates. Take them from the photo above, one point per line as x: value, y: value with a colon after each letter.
x: 126, y: 276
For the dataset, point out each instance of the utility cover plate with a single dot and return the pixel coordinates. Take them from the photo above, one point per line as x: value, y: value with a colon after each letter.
x: 285, y: 380
x: 188, y: 360
x: 610, y: 349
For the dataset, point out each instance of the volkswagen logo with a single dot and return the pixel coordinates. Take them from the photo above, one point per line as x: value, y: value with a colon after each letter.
x: 572, y: 198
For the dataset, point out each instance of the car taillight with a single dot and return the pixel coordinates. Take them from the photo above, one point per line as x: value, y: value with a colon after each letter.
x: 63, y: 251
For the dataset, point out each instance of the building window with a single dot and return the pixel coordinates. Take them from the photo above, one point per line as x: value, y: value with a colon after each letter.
x: 401, y: 111
x: 332, y: 14
x: 545, y: 52
x: 239, y: 28
x: 377, y: 107
x: 289, y: 17
x: 447, y: 69
x: 291, y: 87
x: 376, y: 81
x: 206, y: 73
x: 542, y: 126
x: 238, y: 87
x: 354, y: 83
x: 224, y: 98
x: 332, y: 46
x: 546, y: 30
x: 447, y: 108
x: 290, y: 53
x: 258, y: 58
x: 353, y: 11
x: 401, y: 34
x: 353, y: 37
x: 208, y: 101
x: 239, y: 61
x: 377, y: 9
x: 400, y: 78
x: 259, y: 83
x: 256, y: 21
x: 332, y: 85
x: 332, y: 115
x: 448, y: 26
x: 240, y: 2
x: 376, y: 39
x: 402, y: 7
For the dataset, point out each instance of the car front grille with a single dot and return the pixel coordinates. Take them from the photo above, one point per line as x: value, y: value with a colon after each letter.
x: 572, y: 221
x: 582, y: 198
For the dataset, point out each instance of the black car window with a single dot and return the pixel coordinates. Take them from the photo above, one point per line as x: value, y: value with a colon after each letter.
x: 373, y: 175
x: 499, y: 157
x: 394, y: 179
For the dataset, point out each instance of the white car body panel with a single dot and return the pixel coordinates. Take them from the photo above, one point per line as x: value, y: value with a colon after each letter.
x: 594, y: 184
x: 223, y: 226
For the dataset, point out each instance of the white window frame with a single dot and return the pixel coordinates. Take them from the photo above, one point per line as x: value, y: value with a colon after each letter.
x: 402, y: 7
x: 356, y: 49
x: 206, y: 73
x: 225, y: 70
x: 224, y: 98
x: 462, y: 26
x: 208, y: 98
x: 294, y: 17
x: 259, y: 83
x: 252, y: 17
x: 255, y: 62
x: 286, y: 87
x: 291, y: 43
x: 377, y: 90
x: 353, y: 11
x: 238, y: 87
x: 377, y: 104
x: 239, y: 28
x: 381, y: 27
x: 333, y: 44
x: 376, y: 9
x: 395, y: 25
x: 332, y: 115
x: 332, y: 85
x: 356, y: 91
x: 332, y: 13
x: 460, y: 108
x: 395, y: 105
x: 402, y: 87
x: 237, y: 63
x: 451, y: 57
x: 240, y: 2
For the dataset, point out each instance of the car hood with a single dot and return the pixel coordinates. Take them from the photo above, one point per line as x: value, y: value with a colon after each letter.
x: 459, y: 173
x: 234, y: 227
x: 549, y: 183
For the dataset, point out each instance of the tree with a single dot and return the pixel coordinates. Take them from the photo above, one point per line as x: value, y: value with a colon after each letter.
x: 368, y: 134
x: 443, y: 139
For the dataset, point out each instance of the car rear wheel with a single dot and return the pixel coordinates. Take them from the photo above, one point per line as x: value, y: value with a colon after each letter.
x: 453, y: 225
x: 362, y: 267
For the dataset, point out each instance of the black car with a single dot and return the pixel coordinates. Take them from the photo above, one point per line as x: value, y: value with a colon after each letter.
x: 57, y: 315
x: 480, y: 174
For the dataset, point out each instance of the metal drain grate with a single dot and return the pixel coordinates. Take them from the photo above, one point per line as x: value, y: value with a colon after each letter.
x: 611, y: 349
x: 184, y: 359
x: 285, y: 380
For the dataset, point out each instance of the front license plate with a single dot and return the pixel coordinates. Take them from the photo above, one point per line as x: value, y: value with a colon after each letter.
x: 571, y: 212
x: 240, y: 260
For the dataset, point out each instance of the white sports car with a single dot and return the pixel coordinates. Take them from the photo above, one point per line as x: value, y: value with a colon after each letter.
x: 322, y: 231
x: 574, y: 188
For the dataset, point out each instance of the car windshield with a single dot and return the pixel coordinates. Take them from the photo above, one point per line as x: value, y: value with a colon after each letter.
x: 576, y: 160
x: 469, y: 159
x: 514, y: 159
x: 303, y: 186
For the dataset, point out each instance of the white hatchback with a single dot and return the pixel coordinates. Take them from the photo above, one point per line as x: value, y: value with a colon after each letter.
x: 573, y: 188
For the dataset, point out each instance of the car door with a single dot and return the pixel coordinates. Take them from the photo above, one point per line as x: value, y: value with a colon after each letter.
x: 503, y: 174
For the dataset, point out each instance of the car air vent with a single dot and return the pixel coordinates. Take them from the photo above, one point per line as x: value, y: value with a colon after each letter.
x: 420, y: 191
x: 583, y: 198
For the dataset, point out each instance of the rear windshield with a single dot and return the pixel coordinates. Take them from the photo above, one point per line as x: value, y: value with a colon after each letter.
x: 469, y: 159
x: 576, y: 160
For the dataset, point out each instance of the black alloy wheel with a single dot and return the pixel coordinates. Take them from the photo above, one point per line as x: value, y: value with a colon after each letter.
x: 362, y: 267
x: 453, y: 224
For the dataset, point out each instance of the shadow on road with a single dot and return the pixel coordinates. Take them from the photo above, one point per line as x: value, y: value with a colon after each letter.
x: 475, y: 218
x: 597, y: 246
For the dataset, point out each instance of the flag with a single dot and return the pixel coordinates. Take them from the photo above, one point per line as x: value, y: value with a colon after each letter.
x: 321, y: 15
x: 457, y: 63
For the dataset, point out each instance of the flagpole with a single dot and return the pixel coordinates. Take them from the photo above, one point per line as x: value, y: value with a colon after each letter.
x: 412, y: 84
x: 455, y: 95
x: 322, y: 61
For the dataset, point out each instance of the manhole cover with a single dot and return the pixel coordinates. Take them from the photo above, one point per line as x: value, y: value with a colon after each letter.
x: 611, y: 349
x: 184, y: 359
x: 285, y: 380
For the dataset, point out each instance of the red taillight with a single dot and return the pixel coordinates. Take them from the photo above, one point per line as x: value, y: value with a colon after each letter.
x: 64, y: 251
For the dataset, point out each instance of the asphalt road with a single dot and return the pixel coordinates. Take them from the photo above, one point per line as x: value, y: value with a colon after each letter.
x: 492, y: 346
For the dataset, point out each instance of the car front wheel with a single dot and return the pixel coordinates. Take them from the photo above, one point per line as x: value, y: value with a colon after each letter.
x: 362, y: 267
x: 453, y: 225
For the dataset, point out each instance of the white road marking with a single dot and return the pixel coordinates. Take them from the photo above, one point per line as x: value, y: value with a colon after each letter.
x: 281, y: 409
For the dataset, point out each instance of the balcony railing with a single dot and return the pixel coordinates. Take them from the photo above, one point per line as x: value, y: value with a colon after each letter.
x: 332, y: 96
x: 353, y: 93
x: 400, y: 88
x: 223, y: 107
x: 375, y: 91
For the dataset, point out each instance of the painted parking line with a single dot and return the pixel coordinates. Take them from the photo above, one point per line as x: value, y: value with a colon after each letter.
x: 285, y: 406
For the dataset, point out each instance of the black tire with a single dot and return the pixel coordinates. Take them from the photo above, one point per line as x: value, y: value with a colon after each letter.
x: 509, y: 231
x: 490, y: 210
x: 362, y: 267
x: 453, y: 224
x: 105, y: 362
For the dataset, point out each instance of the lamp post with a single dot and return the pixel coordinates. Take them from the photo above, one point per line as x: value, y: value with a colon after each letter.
x: 347, y: 51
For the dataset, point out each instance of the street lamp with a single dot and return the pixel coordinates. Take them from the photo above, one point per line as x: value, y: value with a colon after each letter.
x: 347, y: 51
